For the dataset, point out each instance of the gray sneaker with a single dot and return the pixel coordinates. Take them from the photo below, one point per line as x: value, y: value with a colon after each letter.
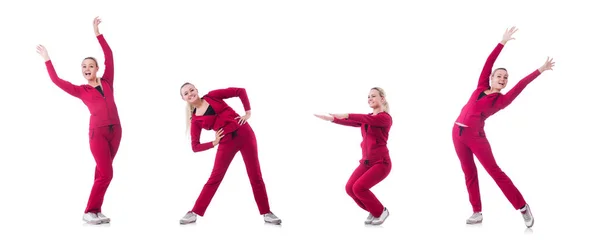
x: 91, y: 218
x: 369, y: 219
x: 188, y: 218
x: 381, y: 219
x: 103, y: 218
x: 527, y: 216
x: 271, y: 218
x: 475, y: 218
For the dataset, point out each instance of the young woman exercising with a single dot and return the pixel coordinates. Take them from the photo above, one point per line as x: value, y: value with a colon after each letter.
x: 469, y: 136
x: 375, y: 164
x: 104, y: 127
x: 233, y: 134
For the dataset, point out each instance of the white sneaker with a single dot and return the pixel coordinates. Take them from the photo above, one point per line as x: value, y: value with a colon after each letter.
x: 271, y: 218
x: 369, y: 219
x: 527, y: 216
x: 475, y: 218
x: 103, y: 218
x: 91, y: 218
x: 381, y: 219
x: 188, y: 218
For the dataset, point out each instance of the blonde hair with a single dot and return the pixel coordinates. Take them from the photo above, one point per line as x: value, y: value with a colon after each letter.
x: 386, y: 106
x: 188, y: 111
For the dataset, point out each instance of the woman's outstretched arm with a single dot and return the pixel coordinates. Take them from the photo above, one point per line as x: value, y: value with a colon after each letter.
x: 109, y: 67
x: 484, y: 77
x: 62, y: 84
x: 514, y: 92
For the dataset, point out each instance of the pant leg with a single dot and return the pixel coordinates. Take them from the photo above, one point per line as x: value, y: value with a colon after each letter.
x: 249, y: 150
x: 115, y: 140
x: 467, y: 162
x: 362, y: 187
x: 483, y: 151
x: 100, y: 148
x: 358, y: 172
x: 225, y: 154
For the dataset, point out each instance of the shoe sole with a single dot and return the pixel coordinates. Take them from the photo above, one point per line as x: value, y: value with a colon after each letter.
x: 274, y: 222
x: 475, y: 222
x: 92, y: 222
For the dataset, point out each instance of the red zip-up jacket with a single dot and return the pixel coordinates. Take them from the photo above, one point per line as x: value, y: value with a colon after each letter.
x: 225, y: 116
x: 103, y: 110
x: 375, y: 130
x: 475, y: 112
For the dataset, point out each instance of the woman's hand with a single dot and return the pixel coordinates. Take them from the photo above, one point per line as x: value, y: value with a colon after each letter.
x: 548, y: 65
x: 218, y: 136
x: 43, y: 52
x: 508, y: 35
x: 324, y: 117
x: 340, y: 116
x: 97, y: 21
x: 243, y: 119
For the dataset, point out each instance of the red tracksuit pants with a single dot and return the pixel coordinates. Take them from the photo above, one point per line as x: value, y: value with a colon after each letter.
x: 244, y: 140
x: 364, y: 177
x: 469, y: 142
x: 104, y: 144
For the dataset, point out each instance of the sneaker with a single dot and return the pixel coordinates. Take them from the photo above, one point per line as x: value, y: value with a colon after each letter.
x: 475, y: 218
x: 103, y: 218
x: 369, y: 219
x: 91, y: 218
x: 271, y: 218
x: 188, y: 218
x: 527, y: 216
x: 381, y: 219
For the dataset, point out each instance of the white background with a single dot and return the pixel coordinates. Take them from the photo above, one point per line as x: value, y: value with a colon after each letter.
x: 296, y: 58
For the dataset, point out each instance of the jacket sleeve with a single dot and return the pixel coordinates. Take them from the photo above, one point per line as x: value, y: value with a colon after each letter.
x: 196, y: 130
x: 66, y: 86
x: 109, y: 66
x: 232, y: 92
x: 346, y: 122
x: 484, y: 77
x: 511, y: 95
x: 380, y: 120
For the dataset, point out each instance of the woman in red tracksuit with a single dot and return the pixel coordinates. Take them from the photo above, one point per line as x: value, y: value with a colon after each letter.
x: 375, y: 164
x: 469, y: 136
x: 105, y: 128
x: 233, y: 134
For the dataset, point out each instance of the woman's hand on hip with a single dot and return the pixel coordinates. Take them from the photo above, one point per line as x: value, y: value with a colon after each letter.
x: 218, y: 136
x: 244, y: 119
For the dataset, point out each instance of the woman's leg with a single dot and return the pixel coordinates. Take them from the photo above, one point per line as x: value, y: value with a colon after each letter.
x: 483, y: 151
x: 467, y: 162
x: 362, y: 187
x: 249, y: 150
x: 101, y: 151
x: 358, y: 172
x: 225, y: 154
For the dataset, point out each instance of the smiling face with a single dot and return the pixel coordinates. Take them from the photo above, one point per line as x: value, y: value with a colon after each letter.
x: 499, y: 79
x: 375, y: 99
x: 189, y: 93
x: 89, y: 67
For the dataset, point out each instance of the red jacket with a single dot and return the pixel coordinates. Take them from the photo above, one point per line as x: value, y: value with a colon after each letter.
x: 103, y: 110
x: 224, y: 116
x: 375, y: 131
x: 475, y: 112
